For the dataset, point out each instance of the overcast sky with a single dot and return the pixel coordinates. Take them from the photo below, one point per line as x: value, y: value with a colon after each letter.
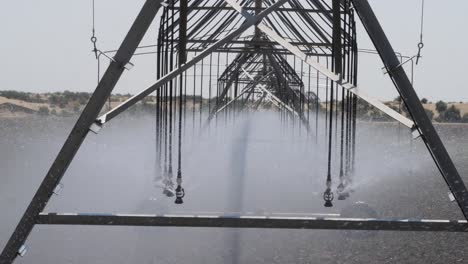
x: 45, y: 46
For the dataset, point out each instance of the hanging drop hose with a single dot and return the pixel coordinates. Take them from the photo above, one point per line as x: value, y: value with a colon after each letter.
x: 421, y: 43
x: 180, y: 192
x: 346, y: 166
x: 169, y: 185
x: 353, y: 145
x: 201, y: 94
x: 170, y: 49
x: 159, y: 165
x: 328, y: 195
x: 341, y: 187
x: 209, y: 84
x: 193, y: 96
x: 317, y: 106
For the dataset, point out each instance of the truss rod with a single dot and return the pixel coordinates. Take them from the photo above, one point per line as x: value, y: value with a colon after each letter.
x: 260, y: 51
x: 283, y: 9
x: 257, y: 42
x: 276, y: 99
x: 251, y: 86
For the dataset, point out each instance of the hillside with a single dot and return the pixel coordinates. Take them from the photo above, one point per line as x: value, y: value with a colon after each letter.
x: 15, y: 104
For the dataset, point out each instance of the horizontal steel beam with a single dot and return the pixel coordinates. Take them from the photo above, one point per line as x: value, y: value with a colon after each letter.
x: 255, y: 42
x: 283, y: 9
x: 259, y: 51
x: 238, y: 221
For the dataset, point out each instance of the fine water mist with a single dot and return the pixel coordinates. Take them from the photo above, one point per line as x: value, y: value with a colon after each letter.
x: 257, y: 163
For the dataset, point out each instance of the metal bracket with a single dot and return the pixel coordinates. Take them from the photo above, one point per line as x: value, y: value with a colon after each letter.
x: 415, y: 133
x: 386, y: 71
x: 23, y: 250
x: 96, y: 127
x: 58, y: 189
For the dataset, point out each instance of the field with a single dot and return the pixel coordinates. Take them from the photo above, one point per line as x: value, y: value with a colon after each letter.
x: 254, y: 164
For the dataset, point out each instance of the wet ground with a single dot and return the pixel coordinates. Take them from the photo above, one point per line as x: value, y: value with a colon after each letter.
x: 254, y: 164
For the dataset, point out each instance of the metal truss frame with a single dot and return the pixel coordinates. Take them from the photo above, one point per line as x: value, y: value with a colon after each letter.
x: 324, y: 70
x: 34, y: 213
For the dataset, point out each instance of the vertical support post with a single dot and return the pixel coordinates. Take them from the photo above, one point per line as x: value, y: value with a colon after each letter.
x: 412, y: 102
x: 80, y: 130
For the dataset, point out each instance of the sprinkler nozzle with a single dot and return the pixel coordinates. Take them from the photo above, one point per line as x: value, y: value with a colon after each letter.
x: 328, y: 198
x: 180, y: 193
x: 342, y: 194
x: 168, y: 191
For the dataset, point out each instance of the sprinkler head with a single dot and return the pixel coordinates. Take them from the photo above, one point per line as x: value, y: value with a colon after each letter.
x: 168, y: 188
x: 179, y: 201
x: 180, y: 193
x: 340, y: 188
x: 328, y: 198
x: 342, y: 194
x: 168, y: 191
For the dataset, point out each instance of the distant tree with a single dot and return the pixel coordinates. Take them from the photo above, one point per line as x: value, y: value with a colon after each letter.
x: 82, y: 101
x: 441, y: 107
x: 16, y: 95
x: 429, y: 113
x: 397, y: 99
x: 37, y: 99
x: 452, y: 114
x: 465, y: 118
x: 76, y: 109
x: 54, y: 99
x: 43, y: 111
x: 424, y: 101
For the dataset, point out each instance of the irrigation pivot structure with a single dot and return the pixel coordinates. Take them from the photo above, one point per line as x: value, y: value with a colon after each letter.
x: 251, y: 51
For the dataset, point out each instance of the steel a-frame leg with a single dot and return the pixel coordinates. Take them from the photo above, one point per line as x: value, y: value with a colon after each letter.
x: 91, y: 112
x: 80, y: 130
x: 412, y: 102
